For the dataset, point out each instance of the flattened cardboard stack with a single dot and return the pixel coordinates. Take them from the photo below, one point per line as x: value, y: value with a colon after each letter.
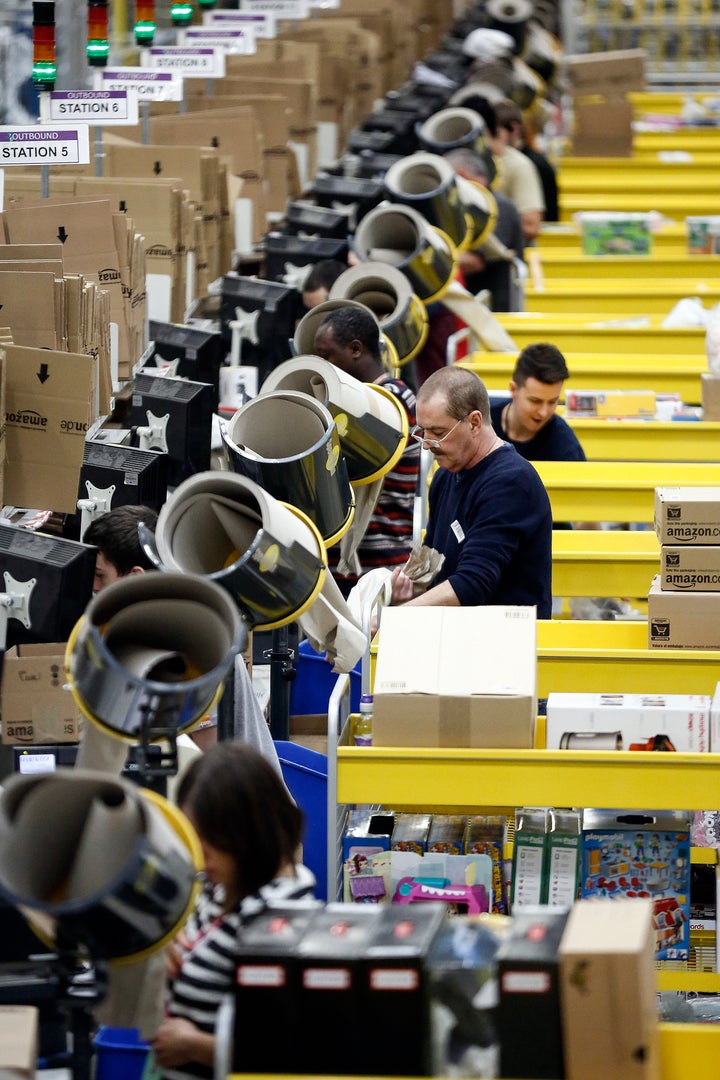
x: 684, y: 599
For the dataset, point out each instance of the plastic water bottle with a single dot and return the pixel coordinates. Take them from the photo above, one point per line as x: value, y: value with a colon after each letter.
x: 362, y: 732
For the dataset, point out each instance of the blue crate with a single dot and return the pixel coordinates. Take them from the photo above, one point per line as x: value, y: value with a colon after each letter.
x: 305, y: 772
x: 315, y: 681
x: 120, y: 1054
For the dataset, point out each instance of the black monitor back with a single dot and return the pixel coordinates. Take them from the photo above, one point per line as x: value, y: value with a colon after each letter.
x: 189, y: 408
x: 63, y: 572
x: 278, y: 307
x: 140, y: 477
x: 286, y: 255
x: 200, y: 353
x: 304, y: 219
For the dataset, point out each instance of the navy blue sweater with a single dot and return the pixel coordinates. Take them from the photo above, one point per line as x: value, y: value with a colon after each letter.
x: 494, y: 526
x: 555, y: 441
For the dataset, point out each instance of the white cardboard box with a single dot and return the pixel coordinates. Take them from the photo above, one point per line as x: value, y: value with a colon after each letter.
x: 456, y: 677
x: 684, y: 718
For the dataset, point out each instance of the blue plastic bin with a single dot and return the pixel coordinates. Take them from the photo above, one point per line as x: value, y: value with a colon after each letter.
x: 315, y: 681
x: 305, y: 772
x: 120, y: 1054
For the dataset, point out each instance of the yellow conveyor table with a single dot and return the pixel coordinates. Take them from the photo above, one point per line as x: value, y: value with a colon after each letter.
x: 604, y: 371
x: 617, y: 490
x: 648, y: 440
x: 626, y: 295
x: 672, y: 167
x: 575, y: 656
x: 591, y: 332
x: 671, y: 202
x: 694, y: 141
x: 669, y: 102
x: 678, y: 267
x: 604, y: 562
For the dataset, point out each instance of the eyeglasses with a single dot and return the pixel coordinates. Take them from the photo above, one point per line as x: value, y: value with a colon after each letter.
x: 418, y: 434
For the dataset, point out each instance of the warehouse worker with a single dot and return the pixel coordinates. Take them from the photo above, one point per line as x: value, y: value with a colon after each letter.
x: 115, y: 535
x: 529, y: 420
x: 320, y: 280
x: 489, y: 513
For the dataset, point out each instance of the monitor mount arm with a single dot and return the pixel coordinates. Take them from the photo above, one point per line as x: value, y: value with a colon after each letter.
x: 98, y: 502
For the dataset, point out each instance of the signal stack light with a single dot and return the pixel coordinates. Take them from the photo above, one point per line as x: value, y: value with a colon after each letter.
x: 181, y: 12
x: 98, y: 45
x: 144, y: 22
x: 44, y: 69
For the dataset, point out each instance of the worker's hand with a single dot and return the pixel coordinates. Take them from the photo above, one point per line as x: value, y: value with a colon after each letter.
x: 403, y: 588
x: 174, y: 1042
x: 174, y: 955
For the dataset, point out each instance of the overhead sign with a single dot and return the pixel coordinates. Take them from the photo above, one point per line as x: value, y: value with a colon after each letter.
x: 262, y: 23
x: 237, y: 39
x: 43, y: 145
x: 105, y: 107
x: 149, y: 84
x: 192, y: 62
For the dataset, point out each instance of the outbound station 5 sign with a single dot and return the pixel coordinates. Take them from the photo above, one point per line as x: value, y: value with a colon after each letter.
x: 44, y: 145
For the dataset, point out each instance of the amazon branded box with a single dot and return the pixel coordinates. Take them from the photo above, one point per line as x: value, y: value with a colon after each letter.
x: 456, y: 677
x: 687, y: 569
x: 683, y: 620
x: 607, y: 991
x: 689, y: 515
x: 36, y: 706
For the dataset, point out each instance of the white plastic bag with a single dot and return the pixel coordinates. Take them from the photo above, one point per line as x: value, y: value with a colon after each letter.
x: 687, y: 312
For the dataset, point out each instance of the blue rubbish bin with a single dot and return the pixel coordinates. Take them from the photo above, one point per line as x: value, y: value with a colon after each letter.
x: 314, y: 682
x: 305, y: 772
x: 120, y: 1054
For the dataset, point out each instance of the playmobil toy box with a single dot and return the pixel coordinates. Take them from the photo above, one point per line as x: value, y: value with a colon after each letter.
x: 646, y: 854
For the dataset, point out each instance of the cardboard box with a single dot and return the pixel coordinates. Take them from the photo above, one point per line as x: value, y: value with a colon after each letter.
x: 686, y: 569
x: 529, y: 858
x: 631, y: 855
x: 687, y: 515
x: 19, y: 1041
x: 35, y: 706
x: 469, y: 679
x: 684, y: 718
x: 50, y: 402
x: 710, y: 391
x: 703, y: 234
x: 607, y: 991
x: 678, y: 620
x: 607, y: 403
x: 563, y: 858
x: 615, y: 234
x: 603, y: 128
x: 611, y: 74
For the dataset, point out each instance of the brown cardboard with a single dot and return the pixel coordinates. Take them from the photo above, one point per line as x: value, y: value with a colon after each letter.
x: 710, y: 389
x: 270, y: 109
x: 602, y: 129
x: 481, y: 721
x: 687, y: 515
x: 680, y: 620
x: 27, y: 300
x: 609, y: 74
x: 234, y: 133
x: 300, y: 94
x: 456, y: 677
x: 689, y: 569
x: 35, y: 705
x: 19, y: 1041
x: 50, y: 403
x: 608, y: 992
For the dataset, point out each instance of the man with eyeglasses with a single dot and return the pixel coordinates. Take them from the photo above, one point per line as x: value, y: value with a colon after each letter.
x: 489, y: 513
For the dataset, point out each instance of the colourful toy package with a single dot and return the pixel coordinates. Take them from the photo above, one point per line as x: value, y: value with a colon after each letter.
x: 642, y: 854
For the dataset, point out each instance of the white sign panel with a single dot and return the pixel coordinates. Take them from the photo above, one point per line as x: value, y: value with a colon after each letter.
x: 150, y: 85
x: 44, y: 146
x: 281, y: 9
x: 199, y: 62
x: 262, y: 23
x: 237, y: 40
x: 104, y: 107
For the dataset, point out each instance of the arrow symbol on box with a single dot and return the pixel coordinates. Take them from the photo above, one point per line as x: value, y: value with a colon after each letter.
x: 157, y: 168
x: 62, y: 235
x: 43, y: 374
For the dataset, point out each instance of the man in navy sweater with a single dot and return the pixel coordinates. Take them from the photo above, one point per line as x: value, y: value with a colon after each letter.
x: 489, y: 513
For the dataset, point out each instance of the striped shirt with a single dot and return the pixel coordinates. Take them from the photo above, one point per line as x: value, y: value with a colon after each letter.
x: 207, y: 972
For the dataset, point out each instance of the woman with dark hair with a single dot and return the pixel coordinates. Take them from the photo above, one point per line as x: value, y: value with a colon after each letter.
x: 250, y: 831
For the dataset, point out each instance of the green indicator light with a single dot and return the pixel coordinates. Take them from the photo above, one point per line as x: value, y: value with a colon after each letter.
x: 44, y: 75
x: 181, y: 14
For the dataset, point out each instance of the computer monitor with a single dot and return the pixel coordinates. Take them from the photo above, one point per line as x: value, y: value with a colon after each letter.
x: 290, y: 258
x: 306, y: 219
x: 377, y: 142
x: 180, y: 417
x: 200, y: 353
x: 139, y: 477
x: 359, y: 195
x: 267, y: 312
x: 50, y: 582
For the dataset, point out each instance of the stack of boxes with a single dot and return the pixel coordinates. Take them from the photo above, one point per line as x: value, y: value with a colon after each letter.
x: 684, y: 599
